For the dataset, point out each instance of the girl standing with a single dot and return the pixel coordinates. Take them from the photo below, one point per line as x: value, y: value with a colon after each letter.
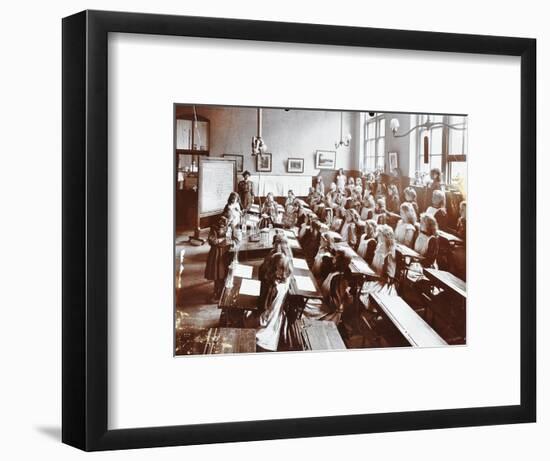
x: 233, y: 209
x: 273, y: 291
x: 217, y: 262
x: 246, y: 192
x: 319, y: 186
x: 435, y: 181
x: 341, y: 180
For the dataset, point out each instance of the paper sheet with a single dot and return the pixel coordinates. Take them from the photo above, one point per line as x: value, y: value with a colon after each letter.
x: 361, y: 266
x: 250, y: 287
x: 304, y: 283
x: 299, y: 263
x: 290, y: 234
x: 242, y: 270
x: 293, y: 244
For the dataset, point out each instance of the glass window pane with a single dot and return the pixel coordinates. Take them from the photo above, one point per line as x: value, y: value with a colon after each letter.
x: 455, y: 141
x: 183, y: 134
x: 458, y: 172
x: 382, y: 127
x: 381, y: 145
x: 371, y: 147
x: 435, y: 161
x: 424, y: 167
x: 370, y: 130
x: 380, y: 162
x: 370, y: 163
x: 436, y: 141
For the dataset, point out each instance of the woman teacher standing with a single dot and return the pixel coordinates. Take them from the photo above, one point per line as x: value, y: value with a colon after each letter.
x: 245, y: 189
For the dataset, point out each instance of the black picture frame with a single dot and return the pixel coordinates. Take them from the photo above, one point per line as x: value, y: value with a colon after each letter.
x: 319, y: 163
x: 292, y: 170
x: 85, y: 224
x: 239, y: 161
x: 262, y: 169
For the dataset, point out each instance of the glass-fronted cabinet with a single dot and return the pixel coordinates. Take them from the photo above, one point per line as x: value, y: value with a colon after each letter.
x: 193, y: 135
x: 192, y: 141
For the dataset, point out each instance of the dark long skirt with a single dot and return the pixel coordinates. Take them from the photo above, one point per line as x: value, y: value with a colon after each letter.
x: 217, y: 263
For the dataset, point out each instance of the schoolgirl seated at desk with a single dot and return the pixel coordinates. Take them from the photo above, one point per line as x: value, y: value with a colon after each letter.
x: 367, y: 208
x: 461, y: 222
x: 406, y: 230
x: 379, y: 214
x: 348, y: 231
x: 392, y: 200
x: 368, y: 242
x: 269, y: 212
x: 337, y: 287
x: 331, y: 194
x: 338, y: 220
x: 383, y: 263
x: 438, y: 209
x: 409, y: 195
x: 426, y: 245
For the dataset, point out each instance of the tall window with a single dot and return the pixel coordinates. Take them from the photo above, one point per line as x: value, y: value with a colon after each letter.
x: 457, y: 154
x: 435, y: 144
x: 375, y: 142
x: 447, y: 148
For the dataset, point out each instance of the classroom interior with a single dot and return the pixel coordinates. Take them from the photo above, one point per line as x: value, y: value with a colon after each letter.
x: 348, y: 231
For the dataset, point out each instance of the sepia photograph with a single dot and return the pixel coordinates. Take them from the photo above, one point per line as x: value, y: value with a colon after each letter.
x: 358, y: 242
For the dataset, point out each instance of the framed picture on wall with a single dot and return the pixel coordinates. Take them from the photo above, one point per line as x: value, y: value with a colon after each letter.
x: 295, y: 165
x: 393, y: 160
x: 239, y: 161
x: 110, y: 403
x: 263, y: 163
x: 325, y: 159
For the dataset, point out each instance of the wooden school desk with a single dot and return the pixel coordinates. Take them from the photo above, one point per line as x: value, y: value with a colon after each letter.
x: 235, y: 304
x: 447, y: 281
x: 264, y: 245
x: 230, y: 341
x: 407, y: 252
x: 313, y: 292
x: 413, y: 328
x: 319, y: 335
x: 358, y: 265
x: 450, y: 238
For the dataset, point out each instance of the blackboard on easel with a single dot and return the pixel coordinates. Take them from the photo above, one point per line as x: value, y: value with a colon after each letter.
x: 216, y: 180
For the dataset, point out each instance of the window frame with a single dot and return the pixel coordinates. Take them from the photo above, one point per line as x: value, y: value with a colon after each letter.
x: 379, y: 157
